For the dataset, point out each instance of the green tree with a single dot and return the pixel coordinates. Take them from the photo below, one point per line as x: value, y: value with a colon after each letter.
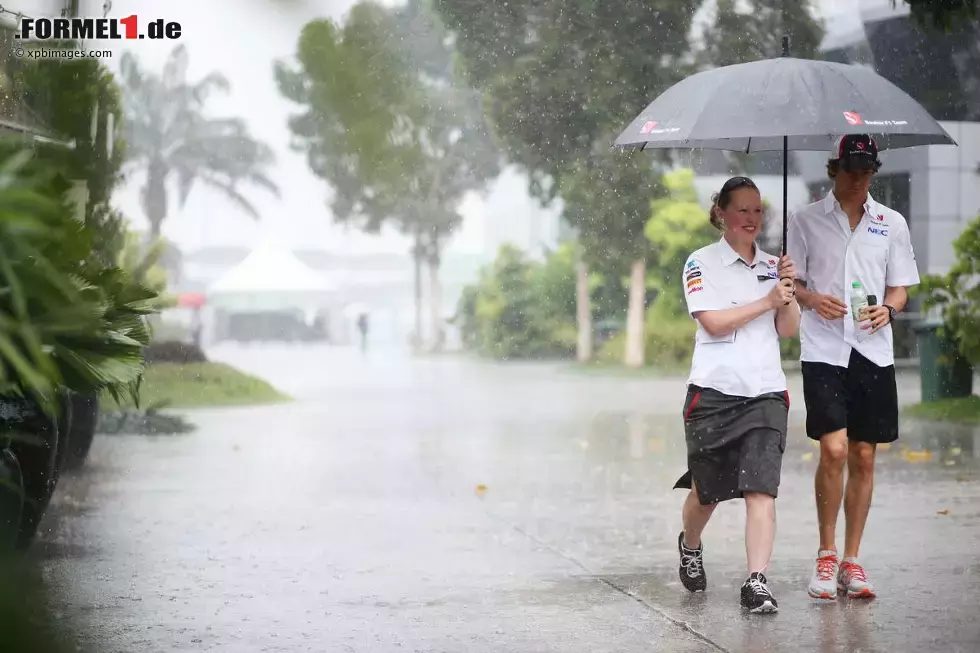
x: 607, y: 199
x: 553, y: 286
x: 521, y: 309
x: 678, y: 225
x: 559, y: 79
x: 71, y: 97
x: 957, y: 295
x: 397, y: 139
x: 73, y: 100
x: 749, y: 31
x: 141, y: 261
x: 67, y: 320
x: 171, y: 140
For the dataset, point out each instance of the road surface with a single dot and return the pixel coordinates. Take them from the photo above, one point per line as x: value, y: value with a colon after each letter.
x: 442, y: 504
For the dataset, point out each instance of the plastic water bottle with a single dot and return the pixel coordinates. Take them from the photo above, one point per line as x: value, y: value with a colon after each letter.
x: 859, y: 302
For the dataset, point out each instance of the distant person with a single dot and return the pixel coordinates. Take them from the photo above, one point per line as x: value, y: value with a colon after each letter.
x: 319, y: 328
x: 737, y: 406
x: 849, y: 248
x: 362, y: 327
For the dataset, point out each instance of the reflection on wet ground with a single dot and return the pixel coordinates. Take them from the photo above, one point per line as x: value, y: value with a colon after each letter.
x: 446, y: 505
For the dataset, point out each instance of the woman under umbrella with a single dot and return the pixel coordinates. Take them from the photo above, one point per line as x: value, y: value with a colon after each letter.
x: 735, y: 414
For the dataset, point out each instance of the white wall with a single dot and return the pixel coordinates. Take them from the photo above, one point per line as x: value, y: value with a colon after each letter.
x: 951, y: 187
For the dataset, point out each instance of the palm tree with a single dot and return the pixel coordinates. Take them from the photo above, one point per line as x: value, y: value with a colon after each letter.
x: 170, y: 139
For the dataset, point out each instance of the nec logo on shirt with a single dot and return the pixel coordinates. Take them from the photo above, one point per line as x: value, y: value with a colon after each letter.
x: 877, y: 231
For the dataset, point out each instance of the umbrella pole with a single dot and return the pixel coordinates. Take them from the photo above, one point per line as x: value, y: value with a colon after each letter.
x: 785, y: 159
x: 785, y: 190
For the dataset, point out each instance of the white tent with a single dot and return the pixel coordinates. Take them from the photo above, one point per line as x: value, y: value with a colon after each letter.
x: 271, y: 278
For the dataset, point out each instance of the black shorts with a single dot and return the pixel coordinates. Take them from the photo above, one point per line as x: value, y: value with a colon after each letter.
x: 734, y: 444
x: 861, y: 398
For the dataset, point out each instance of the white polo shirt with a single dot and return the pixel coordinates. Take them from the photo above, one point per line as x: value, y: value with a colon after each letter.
x: 829, y: 257
x: 745, y: 363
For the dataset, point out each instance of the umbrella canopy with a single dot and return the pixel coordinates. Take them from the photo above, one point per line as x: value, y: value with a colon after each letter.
x: 796, y: 104
x: 782, y: 104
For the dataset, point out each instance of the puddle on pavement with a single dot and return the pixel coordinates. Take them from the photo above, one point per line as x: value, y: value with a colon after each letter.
x: 631, y: 436
x: 635, y: 436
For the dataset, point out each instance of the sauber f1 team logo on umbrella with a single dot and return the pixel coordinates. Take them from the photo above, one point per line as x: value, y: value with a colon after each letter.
x: 648, y: 126
x: 853, y: 118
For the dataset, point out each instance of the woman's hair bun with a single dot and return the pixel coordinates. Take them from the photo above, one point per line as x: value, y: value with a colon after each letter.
x: 713, y: 216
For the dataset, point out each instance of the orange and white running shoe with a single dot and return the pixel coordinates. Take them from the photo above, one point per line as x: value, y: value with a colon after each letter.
x: 823, y: 584
x: 854, y: 580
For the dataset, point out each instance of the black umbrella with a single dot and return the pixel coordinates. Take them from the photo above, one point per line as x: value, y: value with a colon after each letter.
x: 782, y: 104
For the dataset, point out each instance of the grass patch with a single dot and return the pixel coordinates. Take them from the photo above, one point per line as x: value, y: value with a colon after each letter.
x: 960, y: 409
x: 202, y: 384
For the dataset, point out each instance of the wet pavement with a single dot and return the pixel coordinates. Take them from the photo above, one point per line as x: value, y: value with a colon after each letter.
x: 442, y: 504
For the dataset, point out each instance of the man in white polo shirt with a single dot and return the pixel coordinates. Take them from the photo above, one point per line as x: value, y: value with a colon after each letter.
x: 848, y: 367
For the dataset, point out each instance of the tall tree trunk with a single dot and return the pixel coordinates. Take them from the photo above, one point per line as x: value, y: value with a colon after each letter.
x: 154, y: 197
x: 584, y: 312
x: 634, y: 354
x: 435, y: 304
x: 417, y: 254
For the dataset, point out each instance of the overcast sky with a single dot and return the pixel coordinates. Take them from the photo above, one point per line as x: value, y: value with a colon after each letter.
x: 241, y: 38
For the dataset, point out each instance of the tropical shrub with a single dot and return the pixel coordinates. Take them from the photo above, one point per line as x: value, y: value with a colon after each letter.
x: 956, y: 295
x: 66, y: 319
x: 521, y: 308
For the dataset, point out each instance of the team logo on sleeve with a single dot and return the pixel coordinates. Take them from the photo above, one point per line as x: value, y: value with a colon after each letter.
x: 692, y: 277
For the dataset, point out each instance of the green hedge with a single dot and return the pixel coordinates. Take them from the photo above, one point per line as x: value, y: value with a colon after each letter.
x: 669, y: 343
x: 521, y: 309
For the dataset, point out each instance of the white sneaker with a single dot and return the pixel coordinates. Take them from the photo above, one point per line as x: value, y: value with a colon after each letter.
x: 853, y: 580
x: 823, y: 584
